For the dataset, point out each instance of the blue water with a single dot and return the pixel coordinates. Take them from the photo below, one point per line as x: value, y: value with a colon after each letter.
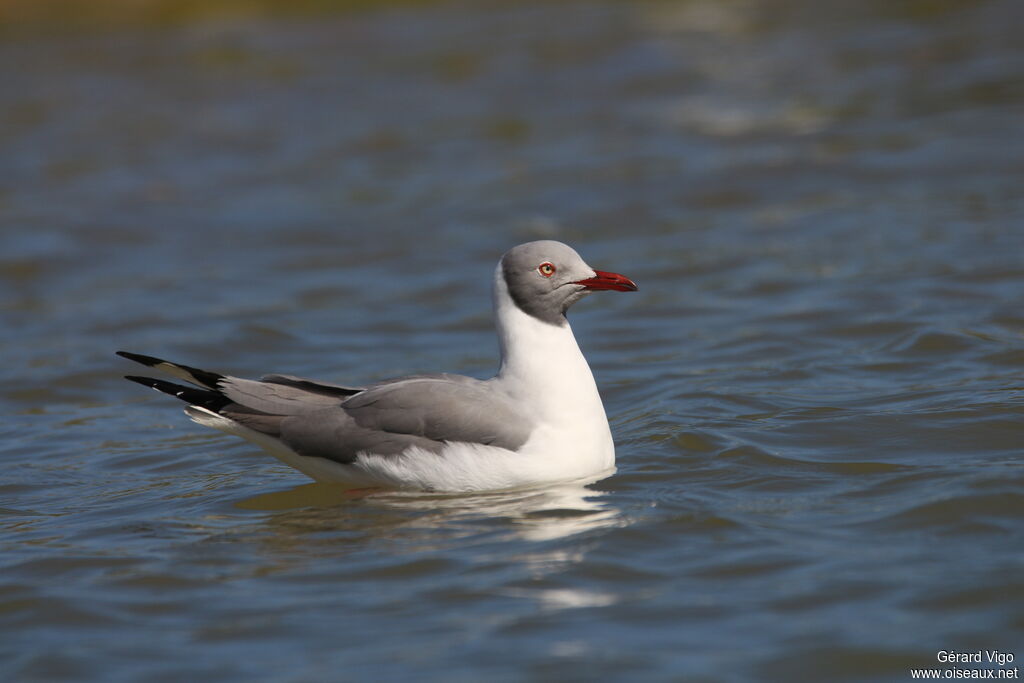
x: 816, y: 394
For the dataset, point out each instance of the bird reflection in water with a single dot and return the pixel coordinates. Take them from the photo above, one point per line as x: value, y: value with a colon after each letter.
x: 537, y: 514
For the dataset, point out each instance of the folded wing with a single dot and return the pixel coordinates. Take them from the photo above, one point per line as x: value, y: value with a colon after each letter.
x: 389, y: 417
x: 321, y: 419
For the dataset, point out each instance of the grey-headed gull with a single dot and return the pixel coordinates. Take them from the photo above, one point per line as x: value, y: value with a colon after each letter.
x: 539, y: 420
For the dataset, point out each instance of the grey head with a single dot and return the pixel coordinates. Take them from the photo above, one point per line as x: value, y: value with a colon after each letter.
x: 546, y: 277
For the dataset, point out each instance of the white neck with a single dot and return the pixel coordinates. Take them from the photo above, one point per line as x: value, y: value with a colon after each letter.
x: 542, y: 365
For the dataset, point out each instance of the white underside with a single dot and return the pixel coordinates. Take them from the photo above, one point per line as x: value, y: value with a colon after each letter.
x: 542, y: 370
x: 459, y: 467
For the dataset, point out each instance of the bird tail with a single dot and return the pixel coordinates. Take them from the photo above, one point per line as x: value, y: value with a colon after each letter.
x: 210, y: 399
x: 201, y: 378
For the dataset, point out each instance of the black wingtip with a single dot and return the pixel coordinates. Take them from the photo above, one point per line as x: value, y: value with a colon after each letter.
x: 144, y: 381
x: 139, y: 358
x: 200, y: 397
x: 204, y: 378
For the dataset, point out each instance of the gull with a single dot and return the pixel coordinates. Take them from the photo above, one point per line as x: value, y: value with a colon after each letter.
x: 539, y: 421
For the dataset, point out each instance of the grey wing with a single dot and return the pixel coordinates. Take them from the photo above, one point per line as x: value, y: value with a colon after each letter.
x: 274, y: 398
x: 425, y: 411
x: 274, y: 395
x: 306, y: 414
x: 311, y: 423
x: 442, y: 408
x: 313, y: 385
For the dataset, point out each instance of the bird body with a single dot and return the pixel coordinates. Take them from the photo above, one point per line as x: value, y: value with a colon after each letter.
x: 539, y: 420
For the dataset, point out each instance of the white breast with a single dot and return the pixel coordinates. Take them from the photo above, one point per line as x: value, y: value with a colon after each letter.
x: 544, y: 371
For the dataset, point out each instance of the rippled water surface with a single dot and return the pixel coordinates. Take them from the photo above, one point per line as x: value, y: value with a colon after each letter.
x: 817, y: 394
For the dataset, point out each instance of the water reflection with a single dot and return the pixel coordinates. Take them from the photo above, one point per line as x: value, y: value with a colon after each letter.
x: 539, y: 514
x: 535, y: 515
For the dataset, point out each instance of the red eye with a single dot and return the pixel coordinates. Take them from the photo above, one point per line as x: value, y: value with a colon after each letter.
x: 546, y: 269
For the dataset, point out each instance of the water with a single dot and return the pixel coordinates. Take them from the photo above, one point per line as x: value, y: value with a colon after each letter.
x: 816, y: 394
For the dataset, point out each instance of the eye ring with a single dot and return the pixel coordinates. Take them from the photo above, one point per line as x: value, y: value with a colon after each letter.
x: 546, y: 269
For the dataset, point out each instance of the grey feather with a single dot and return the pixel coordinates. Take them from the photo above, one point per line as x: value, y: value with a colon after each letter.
x: 546, y: 298
x: 266, y: 424
x: 334, y: 435
x: 339, y: 422
x: 274, y: 399
x: 424, y: 411
x: 317, y: 386
x: 442, y: 408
